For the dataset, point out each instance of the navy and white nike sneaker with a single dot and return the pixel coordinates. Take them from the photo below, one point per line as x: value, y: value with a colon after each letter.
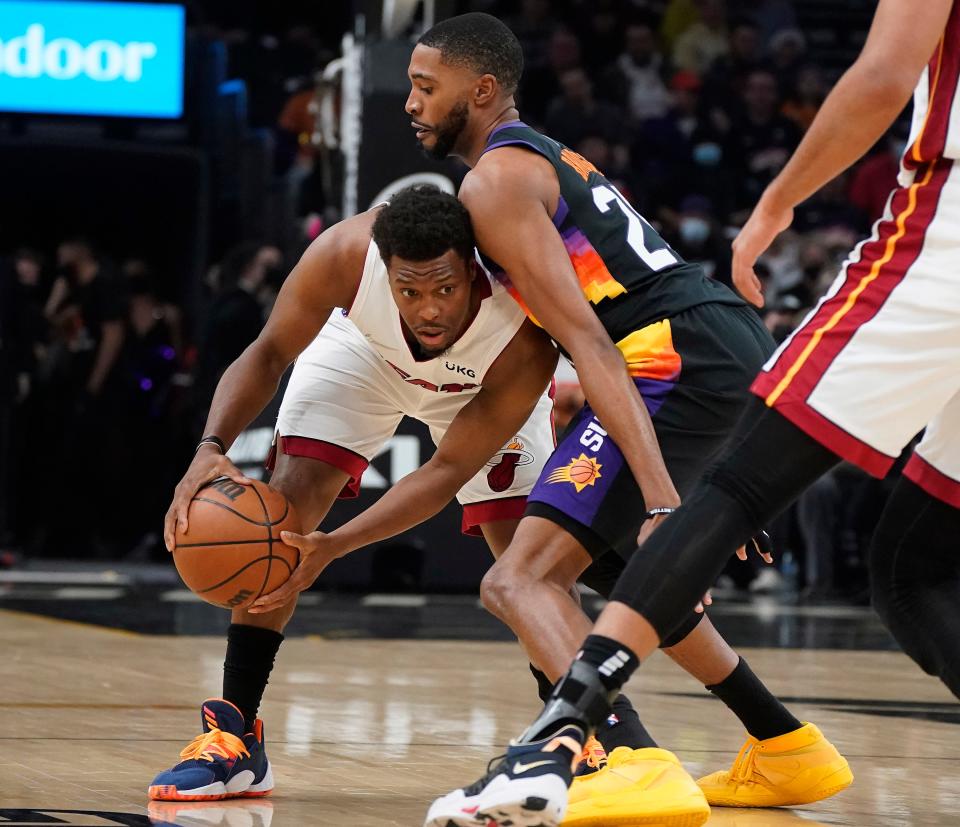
x: 223, y: 762
x: 527, y: 788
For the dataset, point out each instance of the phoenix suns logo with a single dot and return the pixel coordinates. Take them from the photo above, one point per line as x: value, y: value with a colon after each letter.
x: 504, y: 465
x: 581, y: 471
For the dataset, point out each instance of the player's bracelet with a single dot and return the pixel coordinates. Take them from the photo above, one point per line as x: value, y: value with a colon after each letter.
x: 656, y: 512
x: 211, y: 440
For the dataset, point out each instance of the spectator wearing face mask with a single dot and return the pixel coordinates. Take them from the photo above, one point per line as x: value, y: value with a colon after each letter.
x: 682, y: 152
x: 698, y: 238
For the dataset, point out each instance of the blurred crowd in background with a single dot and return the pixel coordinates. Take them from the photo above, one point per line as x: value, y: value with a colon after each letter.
x: 690, y: 106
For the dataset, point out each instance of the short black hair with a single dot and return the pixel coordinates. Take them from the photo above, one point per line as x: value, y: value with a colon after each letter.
x: 481, y: 42
x: 422, y: 222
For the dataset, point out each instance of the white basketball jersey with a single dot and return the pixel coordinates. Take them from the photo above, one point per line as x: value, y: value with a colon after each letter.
x: 935, y: 131
x: 463, y: 366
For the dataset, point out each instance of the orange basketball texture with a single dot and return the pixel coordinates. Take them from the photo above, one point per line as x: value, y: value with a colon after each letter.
x: 232, y: 553
x: 582, y: 471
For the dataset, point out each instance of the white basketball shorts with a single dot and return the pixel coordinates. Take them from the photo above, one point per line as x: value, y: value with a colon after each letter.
x: 878, y: 359
x: 343, y: 404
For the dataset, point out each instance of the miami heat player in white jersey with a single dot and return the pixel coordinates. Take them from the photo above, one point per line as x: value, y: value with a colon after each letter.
x: 463, y: 365
x: 878, y: 359
x: 354, y: 383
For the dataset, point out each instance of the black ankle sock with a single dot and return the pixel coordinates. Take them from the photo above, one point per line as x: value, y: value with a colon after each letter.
x: 623, y: 728
x: 614, y: 662
x: 246, y: 669
x: 544, y: 684
x: 756, y: 707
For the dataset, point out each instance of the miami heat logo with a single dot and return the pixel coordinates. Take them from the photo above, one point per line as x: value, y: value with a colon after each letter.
x: 505, y: 463
x: 582, y: 471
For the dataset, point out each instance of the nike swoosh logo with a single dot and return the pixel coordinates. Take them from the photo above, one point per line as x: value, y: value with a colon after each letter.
x: 521, y: 768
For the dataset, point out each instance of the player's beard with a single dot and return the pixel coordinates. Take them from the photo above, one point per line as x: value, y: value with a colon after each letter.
x: 432, y: 353
x: 448, y: 131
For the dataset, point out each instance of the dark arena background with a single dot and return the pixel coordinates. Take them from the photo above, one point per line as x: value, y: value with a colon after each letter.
x: 144, y: 236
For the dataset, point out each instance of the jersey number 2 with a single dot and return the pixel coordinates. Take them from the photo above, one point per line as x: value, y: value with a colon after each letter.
x: 603, y: 197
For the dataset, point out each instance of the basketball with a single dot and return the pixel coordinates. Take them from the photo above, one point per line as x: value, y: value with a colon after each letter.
x: 231, y: 553
x: 583, y: 471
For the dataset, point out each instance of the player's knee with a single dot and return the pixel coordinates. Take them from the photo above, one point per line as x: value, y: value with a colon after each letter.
x: 499, y: 588
x: 276, y: 620
x: 311, y: 486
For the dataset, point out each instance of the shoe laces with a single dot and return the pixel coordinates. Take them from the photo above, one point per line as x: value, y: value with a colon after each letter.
x: 216, y: 742
x: 593, y: 754
x: 745, y: 762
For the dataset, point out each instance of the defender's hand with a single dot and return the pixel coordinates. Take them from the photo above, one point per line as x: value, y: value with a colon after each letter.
x: 650, y: 525
x: 317, y: 551
x: 761, y: 544
x: 207, y: 465
x: 763, y: 226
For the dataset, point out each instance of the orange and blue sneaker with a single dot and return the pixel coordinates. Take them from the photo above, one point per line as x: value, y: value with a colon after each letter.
x: 799, y: 767
x: 223, y: 762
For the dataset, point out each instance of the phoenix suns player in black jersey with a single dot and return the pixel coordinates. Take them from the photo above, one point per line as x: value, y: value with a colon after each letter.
x: 665, y: 356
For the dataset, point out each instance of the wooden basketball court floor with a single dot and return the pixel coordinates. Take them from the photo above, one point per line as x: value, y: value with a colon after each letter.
x: 366, y: 732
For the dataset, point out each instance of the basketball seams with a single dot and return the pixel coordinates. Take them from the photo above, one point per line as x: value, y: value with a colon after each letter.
x: 243, y: 516
x: 270, y: 541
x: 239, y: 572
x: 213, y: 556
x: 226, y: 507
x: 214, y: 543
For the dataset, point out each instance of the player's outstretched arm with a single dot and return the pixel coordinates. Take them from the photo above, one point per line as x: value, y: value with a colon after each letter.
x: 326, y: 276
x: 507, y: 200
x: 863, y: 104
x: 511, y: 389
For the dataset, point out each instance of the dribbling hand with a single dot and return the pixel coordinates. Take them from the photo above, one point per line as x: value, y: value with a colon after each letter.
x: 208, y: 464
x: 317, y: 551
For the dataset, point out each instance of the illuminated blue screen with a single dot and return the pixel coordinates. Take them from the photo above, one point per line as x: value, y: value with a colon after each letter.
x: 122, y: 59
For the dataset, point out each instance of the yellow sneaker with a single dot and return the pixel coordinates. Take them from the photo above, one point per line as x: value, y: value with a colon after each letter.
x: 645, y: 787
x: 799, y: 767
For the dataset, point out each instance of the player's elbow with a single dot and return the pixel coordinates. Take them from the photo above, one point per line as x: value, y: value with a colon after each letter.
x: 445, y: 477
x: 268, y: 357
x: 884, y: 83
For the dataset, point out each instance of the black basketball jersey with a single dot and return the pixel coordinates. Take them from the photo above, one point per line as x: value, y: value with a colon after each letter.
x: 630, y: 275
